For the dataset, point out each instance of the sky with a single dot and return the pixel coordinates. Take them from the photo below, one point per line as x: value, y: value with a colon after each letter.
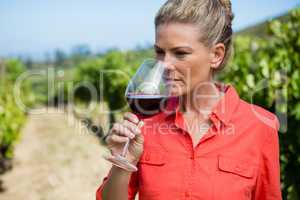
x: 35, y: 27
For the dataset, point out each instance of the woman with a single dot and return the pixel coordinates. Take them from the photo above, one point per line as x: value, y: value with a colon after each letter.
x: 213, y: 145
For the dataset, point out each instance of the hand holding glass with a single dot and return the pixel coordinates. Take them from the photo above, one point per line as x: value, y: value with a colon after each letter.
x: 146, y: 94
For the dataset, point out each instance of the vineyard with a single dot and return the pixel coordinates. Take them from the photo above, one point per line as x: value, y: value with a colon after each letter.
x: 264, y: 70
x: 11, y: 117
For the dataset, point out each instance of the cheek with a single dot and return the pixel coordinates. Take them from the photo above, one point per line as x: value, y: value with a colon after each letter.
x: 199, y: 69
x: 192, y: 71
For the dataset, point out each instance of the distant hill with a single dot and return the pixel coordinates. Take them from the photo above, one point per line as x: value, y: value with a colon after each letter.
x: 261, y: 29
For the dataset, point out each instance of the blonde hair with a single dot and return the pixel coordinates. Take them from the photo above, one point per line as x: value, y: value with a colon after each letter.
x: 213, y: 17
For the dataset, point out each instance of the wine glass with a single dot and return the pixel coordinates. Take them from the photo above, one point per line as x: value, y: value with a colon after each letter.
x: 146, y: 95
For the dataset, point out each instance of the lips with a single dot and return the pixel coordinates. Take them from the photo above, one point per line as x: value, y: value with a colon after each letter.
x: 171, y: 79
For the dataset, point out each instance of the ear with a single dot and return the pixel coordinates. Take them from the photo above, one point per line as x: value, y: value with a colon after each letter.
x: 217, y: 55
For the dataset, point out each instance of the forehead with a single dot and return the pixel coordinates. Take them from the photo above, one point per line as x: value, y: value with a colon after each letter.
x: 177, y: 33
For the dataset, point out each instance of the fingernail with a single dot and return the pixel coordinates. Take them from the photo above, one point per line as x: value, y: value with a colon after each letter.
x: 138, y: 130
x: 140, y: 124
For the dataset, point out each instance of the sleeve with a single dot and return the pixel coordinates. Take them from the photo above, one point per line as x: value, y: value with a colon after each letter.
x: 268, y: 180
x: 132, y: 186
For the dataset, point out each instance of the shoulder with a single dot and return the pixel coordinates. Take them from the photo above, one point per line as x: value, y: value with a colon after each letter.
x: 261, y: 123
x: 259, y: 116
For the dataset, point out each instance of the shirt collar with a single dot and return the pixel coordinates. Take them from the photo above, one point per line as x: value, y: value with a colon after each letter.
x: 227, y: 104
x: 221, y: 113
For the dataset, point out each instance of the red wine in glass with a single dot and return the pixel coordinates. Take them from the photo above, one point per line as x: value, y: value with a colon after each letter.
x: 146, y: 105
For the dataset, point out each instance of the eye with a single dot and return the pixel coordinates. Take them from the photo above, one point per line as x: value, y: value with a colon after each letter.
x: 159, y: 52
x: 181, y: 54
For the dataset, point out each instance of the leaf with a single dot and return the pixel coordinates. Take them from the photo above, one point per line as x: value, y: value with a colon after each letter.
x: 296, y: 111
x: 250, y: 80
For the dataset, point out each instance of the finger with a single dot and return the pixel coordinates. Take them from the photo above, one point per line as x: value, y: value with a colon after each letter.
x: 116, y: 139
x: 120, y: 129
x: 131, y: 117
x: 140, y: 125
x: 139, y: 139
x: 131, y: 126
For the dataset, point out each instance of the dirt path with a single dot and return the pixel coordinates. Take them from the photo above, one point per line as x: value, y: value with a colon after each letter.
x: 55, y: 161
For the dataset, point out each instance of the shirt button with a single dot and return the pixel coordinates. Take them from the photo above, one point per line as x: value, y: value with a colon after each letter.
x: 237, y: 168
x: 147, y: 157
x: 187, y: 194
x: 193, y: 156
x: 248, y: 194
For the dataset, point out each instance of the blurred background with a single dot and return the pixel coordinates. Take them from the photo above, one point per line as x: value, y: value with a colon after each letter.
x: 64, y: 66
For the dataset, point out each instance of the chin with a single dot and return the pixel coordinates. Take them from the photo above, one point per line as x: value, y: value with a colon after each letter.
x: 177, y: 92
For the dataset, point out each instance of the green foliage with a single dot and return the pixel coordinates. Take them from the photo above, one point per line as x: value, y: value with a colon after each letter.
x: 13, y: 68
x: 110, y: 74
x: 12, y: 119
x: 11, y: 116
x: 116, y: 76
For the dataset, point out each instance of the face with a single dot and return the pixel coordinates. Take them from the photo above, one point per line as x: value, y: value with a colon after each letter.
x: 189, y: 63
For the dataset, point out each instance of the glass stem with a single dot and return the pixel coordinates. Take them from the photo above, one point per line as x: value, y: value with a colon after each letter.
x: 125, y: 149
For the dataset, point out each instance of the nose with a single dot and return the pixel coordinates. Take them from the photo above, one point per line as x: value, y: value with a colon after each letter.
x: 168, y: 69
x: 168, y: 66
x: 167, y: 60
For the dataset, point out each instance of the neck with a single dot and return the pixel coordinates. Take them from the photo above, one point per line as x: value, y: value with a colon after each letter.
x: 201, y: 100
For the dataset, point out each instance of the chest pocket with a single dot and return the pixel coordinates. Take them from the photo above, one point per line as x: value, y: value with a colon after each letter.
x: 151, y: 169
x: 153, y: 157
x: 239, y: 176
x: 235, y: 166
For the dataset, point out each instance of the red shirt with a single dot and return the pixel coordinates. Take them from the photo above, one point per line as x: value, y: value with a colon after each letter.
x: 237, y: 159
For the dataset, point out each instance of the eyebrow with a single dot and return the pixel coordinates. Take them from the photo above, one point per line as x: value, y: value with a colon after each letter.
x: 175, y: 48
